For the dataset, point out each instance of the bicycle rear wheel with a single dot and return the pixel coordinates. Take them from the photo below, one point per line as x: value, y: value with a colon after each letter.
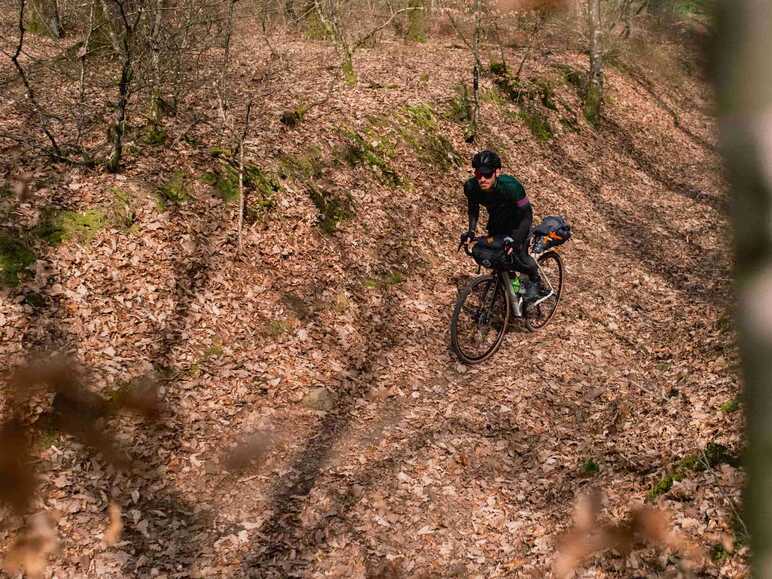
x: 551, y: 267
x: 480, y: 319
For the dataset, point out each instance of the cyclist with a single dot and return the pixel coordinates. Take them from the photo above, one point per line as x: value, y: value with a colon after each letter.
x: 509, y: 215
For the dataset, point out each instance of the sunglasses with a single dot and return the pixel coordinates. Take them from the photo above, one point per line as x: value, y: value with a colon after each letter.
x: 484, y: 174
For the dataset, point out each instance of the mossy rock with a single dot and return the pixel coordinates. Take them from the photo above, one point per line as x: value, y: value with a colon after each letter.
x: 499, y: 69
x: 712, y: 456
x: 332, y: 208
x: 423, y: 134
x: 260, y: 187
x: 154, y: 135
x: 56, y: 227
x: 573, y: 77
x: 301, y: 167
x: 360, y: 151
x: 122, y: 213
x: 460, y: 109
x: 174, y: 191
x: 15, y: 258
x: 293, y: 118
x: 537, y: 123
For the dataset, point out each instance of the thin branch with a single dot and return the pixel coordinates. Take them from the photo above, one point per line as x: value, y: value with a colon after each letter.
x: 377, y: 29
x: 29, y: 92
x: 242, y: 199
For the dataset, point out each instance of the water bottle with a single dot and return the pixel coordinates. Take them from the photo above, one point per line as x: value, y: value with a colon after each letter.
x: 516, y: 284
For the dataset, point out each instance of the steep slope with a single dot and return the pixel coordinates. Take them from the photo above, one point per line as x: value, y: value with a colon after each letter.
x: 322, y: 350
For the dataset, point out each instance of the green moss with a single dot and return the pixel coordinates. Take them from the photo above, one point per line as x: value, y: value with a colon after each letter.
x: 35, y: 300
x: 314, y: 28
x: 302, y: 167
x: 460, y: 109
x: 493, y: 96
x: 545, y: 93
x: 277, y: 327
x: 537, y: 123
x: 369, y: 153
x: 499, y: 69
x: 730, y: 406
x: 122, y: 213
x: 713, y: 455
x: 173, y: 192
x: 214, y: 351
x: 416, y: 21
x: 260, y: 187
x: 423, y: 135
x: 385, y: 281
x: 47, y: 436
x: 154, y: 135
x: 349, y: 73
x: 332, y: 208
x: 717, y: 454
x: 665, y: 484
x: 15, y: 258
x: 294, y: 117
x: 572, y: 77
x: 56, y: 227
x: 570, y: 124
x: 739, y: 528
x: 718, y: 553
x: 592, y: 105
x: 590, y: 467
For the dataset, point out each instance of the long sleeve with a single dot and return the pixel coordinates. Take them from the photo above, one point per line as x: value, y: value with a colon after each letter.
x: 473, y: 208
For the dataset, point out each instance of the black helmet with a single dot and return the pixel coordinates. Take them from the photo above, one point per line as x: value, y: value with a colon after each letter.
x: 486, y: 161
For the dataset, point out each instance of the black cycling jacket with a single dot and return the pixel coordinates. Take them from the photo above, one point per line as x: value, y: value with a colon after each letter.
x: 509, y: 211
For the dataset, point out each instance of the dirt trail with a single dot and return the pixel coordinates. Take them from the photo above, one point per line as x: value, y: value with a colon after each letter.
x: 326, y: 356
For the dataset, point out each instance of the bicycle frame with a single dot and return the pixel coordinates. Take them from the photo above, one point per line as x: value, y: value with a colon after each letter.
x: 515, y: 300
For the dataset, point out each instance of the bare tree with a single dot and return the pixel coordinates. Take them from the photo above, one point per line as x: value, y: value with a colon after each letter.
x: 594, y: 94
x: 40, y: 114
x: 330, y: 13
x: 474, y: 47
x: 122, y: 28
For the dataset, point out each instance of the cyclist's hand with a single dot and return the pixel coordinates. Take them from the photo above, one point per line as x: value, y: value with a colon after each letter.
x: 467, y: 236
x: 509, y: 245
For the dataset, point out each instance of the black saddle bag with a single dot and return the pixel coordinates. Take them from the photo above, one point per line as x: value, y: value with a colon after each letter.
x: 552, y: 231
x: 491, y: 255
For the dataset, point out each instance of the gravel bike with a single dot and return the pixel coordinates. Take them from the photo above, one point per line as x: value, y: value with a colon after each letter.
x: 486, y: 305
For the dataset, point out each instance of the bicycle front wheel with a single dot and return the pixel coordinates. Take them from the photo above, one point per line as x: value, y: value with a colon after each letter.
x: 480, y: 319
x: 551, y: 270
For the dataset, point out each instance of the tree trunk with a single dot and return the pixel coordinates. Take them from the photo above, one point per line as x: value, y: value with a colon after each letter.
x: 416, y: 20
x: 594, y: 95
x: 119, y: 125
x: 476, y: 71
x: 744, y: 76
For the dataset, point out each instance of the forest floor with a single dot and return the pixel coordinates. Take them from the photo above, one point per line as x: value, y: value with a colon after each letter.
x: 314, y: 421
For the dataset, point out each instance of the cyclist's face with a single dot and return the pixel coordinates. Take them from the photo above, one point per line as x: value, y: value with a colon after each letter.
x: 486, y: 181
